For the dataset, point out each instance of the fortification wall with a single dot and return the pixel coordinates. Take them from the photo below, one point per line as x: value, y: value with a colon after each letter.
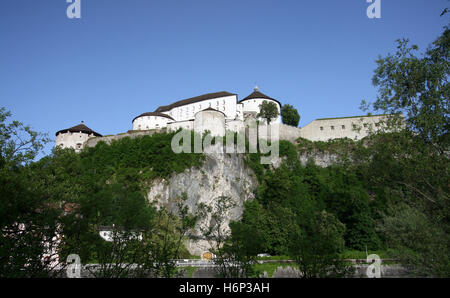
x: 285, y: 132
x: 92, y: 142
x: 326, y: 129
x: 317, y: 130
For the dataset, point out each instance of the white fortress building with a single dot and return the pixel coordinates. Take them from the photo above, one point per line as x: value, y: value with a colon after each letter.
x: 183, y: 113
x: 220, y: 112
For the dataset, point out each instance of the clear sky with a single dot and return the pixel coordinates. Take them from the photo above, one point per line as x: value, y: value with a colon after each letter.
x: 127, y: 57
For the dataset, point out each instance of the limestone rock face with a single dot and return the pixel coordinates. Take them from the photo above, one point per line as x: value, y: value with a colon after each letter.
x: 221, y: 175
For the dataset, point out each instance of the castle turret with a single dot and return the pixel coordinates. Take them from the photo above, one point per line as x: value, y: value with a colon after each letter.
x: 250, y: 104
x: 75, y: 137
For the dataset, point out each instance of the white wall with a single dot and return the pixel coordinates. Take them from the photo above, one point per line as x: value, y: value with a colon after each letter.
x: 234, y: 125
x: 252, y: 105
x: 150, y: 122
x: 210, y: 120
x: 226, y: 104
x: 240, y: 111
x: 74, y: 140
x: 323, y: 130
x: 189, y: 124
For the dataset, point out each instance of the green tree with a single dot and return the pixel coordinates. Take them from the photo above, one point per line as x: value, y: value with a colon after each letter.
x: 289, y: 115
x: 421, y: 245
x: 408, y: 170
x: 268, y: 110
x: 316, y: 240
x: 235, y: 247
x: 28, y: 220
x: 418, y: 86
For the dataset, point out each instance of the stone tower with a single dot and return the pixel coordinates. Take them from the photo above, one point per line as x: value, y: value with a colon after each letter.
x: 75, y: 137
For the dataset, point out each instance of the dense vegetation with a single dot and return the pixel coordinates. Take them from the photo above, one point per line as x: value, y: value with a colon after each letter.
x: 388, y: 192
x: 78, y: 195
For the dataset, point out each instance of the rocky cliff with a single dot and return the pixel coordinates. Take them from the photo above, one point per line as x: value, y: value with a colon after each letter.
x: 220, y: 175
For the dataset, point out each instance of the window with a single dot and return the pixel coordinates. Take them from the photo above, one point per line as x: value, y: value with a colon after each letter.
x: 365, y: 124
x: 332, y: 127
x: 377, y: 124
x: 321, y: 128
x: 343, y: 126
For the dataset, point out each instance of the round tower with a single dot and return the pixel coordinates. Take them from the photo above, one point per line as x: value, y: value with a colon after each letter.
x: 151, y: 120
x: 210, y: 119
x: 75, y: 137
x: 250, y: 104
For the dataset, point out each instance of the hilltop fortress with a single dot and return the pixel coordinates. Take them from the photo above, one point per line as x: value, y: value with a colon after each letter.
x: 220, y: 112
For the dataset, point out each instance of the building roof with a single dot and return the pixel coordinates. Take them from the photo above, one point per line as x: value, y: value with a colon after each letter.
x: 80, y: 128
x: 157, y: 114
x: 257, y: 94
x: 193, y: 100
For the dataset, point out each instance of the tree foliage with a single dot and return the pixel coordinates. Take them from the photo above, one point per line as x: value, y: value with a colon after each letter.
x: 268, y: 110
x: 417, y: 86
x: 28, y: 222
x: 407, y: 171
x: 290, y: 115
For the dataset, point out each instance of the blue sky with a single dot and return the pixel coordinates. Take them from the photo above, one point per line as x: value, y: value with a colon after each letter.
x: 126, y: 57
